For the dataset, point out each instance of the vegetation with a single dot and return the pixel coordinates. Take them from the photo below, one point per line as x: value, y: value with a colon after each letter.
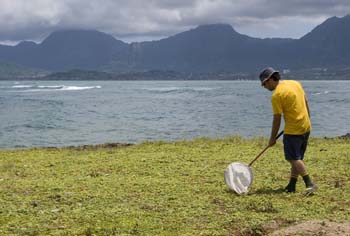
x: 159, y: 188
x: 13, y: 71
x: 145, y: 75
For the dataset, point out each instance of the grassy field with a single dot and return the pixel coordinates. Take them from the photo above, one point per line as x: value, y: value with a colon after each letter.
x: 164, y: 188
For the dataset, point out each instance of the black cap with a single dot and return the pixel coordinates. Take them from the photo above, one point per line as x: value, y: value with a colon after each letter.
x: 267, y: 73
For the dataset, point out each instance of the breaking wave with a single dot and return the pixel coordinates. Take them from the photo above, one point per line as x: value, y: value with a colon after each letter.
x: 47, y: 88
x: 177, y: 89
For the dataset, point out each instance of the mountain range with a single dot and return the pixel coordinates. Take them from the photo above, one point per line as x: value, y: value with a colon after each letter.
x: 207, y: 48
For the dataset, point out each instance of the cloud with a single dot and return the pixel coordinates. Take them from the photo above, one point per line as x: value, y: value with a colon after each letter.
x: 154, y: 19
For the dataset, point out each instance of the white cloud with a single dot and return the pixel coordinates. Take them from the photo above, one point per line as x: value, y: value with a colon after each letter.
x: 139, y: 19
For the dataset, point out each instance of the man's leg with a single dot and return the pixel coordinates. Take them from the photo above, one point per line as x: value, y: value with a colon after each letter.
x: 299, y: 168
x: 291, y: 187
x: 294, y: 149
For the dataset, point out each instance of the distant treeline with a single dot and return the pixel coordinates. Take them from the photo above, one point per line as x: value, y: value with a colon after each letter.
x: 311, y: 74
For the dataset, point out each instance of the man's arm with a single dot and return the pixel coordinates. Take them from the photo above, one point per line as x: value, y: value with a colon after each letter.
x: 276, y: 123
x: 307, y: 107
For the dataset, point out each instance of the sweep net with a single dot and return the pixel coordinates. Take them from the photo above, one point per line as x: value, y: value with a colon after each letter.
x: 238, y: 177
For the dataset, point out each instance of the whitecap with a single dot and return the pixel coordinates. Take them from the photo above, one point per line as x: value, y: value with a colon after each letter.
x: 70, y: 88
x: 163, y: 89
x: 23, y: 86
x: 319, y: 93
x: 178, y: 89
x: 201, y: 89
x: 50, y: 86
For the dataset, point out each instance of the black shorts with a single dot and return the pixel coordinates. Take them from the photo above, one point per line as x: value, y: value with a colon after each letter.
x: 295, y: 146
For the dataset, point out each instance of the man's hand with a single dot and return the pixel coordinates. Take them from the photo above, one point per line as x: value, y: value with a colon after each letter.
x: 272, y: 142
x: 275, y: 127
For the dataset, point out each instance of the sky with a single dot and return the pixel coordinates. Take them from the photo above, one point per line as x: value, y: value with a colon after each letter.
x: 144, y: 20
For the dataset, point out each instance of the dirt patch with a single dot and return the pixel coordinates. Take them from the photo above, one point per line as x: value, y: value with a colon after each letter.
x: 315, y: 228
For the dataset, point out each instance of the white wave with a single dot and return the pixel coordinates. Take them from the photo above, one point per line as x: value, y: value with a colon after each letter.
x: 38, y: 86
x: 23, y: 86
x: 165, y: 89
x: 177, y: 89
x: 202, y: 89
x: 49, y: 88
x: 70, y: 88
x: 319, y: 93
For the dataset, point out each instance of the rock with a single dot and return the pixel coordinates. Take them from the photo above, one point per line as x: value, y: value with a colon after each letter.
x: 347, y: 135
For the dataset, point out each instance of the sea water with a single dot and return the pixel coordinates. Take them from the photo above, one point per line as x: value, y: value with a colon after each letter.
x: 66, y: 113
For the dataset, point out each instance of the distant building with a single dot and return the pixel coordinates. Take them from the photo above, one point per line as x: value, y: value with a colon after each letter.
x: 285, y: 71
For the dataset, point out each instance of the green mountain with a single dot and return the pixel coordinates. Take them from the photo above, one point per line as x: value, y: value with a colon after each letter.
x: 205, y: 49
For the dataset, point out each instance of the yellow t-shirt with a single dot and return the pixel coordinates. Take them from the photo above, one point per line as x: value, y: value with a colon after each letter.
x: 288, y: 99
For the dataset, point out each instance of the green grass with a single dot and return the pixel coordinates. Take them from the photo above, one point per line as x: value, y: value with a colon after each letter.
x: 161, y: 188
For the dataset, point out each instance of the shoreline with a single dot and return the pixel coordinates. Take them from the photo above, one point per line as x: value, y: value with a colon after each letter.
x: 124, y: 145
x: 72, y: 147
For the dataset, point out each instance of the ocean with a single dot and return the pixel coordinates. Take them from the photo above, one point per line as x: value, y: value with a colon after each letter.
x: 72, y: 113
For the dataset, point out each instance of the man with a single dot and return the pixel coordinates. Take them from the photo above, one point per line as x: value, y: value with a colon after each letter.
x: 289, y: 99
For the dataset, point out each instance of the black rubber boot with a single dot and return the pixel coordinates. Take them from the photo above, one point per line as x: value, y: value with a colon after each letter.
x: 291, y: 186
x: 307, y: 181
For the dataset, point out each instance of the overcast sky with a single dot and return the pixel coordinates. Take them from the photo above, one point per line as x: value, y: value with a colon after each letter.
x: 140, y: 20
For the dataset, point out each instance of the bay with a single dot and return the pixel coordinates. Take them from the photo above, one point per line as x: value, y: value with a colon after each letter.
x: 65, y: 113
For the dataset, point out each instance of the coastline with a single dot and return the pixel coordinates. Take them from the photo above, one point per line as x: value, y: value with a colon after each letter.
x: 124, y: 145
